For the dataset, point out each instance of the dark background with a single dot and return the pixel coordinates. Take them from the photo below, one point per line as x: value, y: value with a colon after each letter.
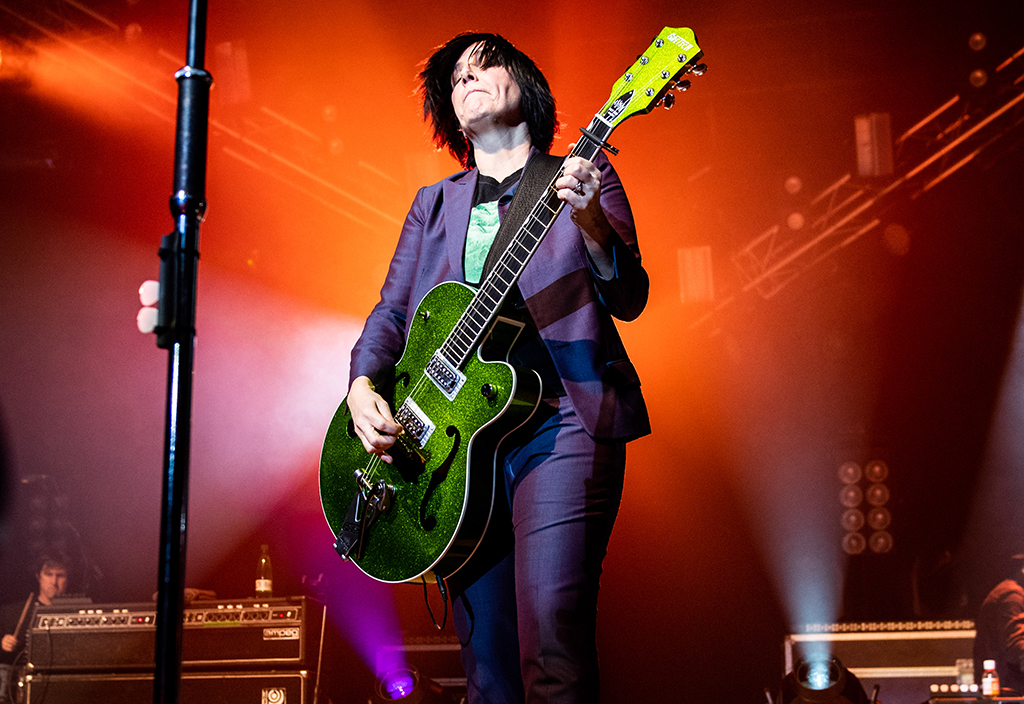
x: 900, y: 346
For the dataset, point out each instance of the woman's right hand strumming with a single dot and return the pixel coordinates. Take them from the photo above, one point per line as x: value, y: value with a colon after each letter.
x: 371, y: 415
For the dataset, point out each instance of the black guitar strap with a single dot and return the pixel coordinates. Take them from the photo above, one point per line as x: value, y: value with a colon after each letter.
x: 538, y: 174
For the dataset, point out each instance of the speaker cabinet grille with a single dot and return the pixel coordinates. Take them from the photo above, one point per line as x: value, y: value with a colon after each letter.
x: 204, y: 688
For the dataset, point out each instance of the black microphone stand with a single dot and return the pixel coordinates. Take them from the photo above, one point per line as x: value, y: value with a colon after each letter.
x: 175, y: 329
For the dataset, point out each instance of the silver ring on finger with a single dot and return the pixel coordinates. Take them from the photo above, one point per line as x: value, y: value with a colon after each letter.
x: 579, y: 188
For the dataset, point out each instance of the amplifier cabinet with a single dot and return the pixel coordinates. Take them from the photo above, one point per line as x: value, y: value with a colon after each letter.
x: 282, y: 633
x: 196, y: 688
x: 903, y: 658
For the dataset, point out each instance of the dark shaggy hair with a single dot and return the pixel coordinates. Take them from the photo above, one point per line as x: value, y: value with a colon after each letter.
x: 50, y: 558
x: 536, y: 104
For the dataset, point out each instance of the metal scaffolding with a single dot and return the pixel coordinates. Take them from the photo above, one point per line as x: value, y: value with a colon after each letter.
x: 95, y: 47
x: 939, y: 145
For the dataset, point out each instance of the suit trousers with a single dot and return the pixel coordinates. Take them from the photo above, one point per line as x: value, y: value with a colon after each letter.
x: 525, y: 605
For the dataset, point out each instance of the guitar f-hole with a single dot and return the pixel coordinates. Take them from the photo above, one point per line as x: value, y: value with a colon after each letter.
x: 438, y: 476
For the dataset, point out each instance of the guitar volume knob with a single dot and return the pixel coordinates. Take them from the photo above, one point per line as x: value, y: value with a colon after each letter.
x: 488, y: 391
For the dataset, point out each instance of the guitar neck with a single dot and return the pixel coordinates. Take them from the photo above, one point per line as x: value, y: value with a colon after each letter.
x: 642, y: 87
x: 469, y: 330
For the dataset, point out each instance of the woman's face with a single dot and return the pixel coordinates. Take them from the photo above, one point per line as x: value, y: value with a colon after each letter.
x: 483, y: 98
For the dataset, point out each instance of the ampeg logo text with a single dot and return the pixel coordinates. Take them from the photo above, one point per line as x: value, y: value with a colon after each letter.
x: 280, y: 634
x: 680, y: 42
x: 274, y: 695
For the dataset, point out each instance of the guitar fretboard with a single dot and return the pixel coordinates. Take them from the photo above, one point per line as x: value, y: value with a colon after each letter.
x: 469, y: 330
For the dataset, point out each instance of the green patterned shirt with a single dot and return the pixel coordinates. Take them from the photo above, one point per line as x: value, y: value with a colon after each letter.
x: 484, y: 222
x: 483, y: 226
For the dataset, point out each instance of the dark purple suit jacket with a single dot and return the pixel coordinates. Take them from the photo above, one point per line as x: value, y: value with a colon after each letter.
x: 570, y: 304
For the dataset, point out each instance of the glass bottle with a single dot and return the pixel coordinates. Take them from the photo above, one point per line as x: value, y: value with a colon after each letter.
x: 990, y: 680
x: 264, y: 574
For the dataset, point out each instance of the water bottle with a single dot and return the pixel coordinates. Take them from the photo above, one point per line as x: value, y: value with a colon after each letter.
x: 264, y: 574
x: 990, y: 680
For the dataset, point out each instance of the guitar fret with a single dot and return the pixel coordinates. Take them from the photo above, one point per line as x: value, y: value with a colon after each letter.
x: 498, y: 276
x: 500, y: 271
x: 455, y: 350
x: 519, y: 259
x: 475, y: 318
x: 543, y: 223
x: 478, y: 320
x: 521, y: 251
x: 464, y: 337
x: 456, y: 353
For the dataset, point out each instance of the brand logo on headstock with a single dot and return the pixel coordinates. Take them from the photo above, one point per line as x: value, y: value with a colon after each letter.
x: 680, y: 42
x: 618, y: 107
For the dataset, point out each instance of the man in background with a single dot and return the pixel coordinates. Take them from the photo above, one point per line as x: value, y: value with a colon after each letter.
x: 15, y: 618
x: 1000, y: 629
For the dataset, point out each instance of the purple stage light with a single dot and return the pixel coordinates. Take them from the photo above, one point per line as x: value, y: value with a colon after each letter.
x: 398, y: 684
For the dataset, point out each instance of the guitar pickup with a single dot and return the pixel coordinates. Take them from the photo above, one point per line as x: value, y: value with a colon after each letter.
x: 445, y: 376
x: 416, y: 424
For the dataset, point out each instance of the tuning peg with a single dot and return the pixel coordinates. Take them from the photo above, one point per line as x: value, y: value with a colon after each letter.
x: 668, y: 101
x: 682, y: 86
x: 699, y: 69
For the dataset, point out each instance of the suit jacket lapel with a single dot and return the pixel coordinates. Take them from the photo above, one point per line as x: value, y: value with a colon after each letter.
x: 458, y: 198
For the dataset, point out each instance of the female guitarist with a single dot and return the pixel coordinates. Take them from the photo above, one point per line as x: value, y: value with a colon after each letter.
x: 525, y: 604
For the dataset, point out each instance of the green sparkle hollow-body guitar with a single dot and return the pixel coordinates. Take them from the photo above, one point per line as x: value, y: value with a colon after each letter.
x: 422, y: 516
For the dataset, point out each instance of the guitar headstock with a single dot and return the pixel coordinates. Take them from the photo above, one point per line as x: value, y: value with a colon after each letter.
x: 646, y: 84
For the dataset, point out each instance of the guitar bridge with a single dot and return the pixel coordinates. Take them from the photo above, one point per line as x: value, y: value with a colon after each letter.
x: 415, y: 422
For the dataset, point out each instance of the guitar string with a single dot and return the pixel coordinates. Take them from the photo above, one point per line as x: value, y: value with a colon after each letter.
x: 375, y: 463
x: 490, y: 289
x: 462, y: 339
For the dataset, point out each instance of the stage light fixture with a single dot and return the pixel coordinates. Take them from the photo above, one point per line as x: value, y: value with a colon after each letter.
x: 876, y: 471
x: 851, y: 496
x: 860, y: 485
x: 822, y: 681
x: 854, y: 543
x: 879, y: 518
x: 880, y: 542
x: 874, y: 144
x: 407, y: 686
x: 853, y: 519
x: 877, y: 494
x: 850, y: 473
